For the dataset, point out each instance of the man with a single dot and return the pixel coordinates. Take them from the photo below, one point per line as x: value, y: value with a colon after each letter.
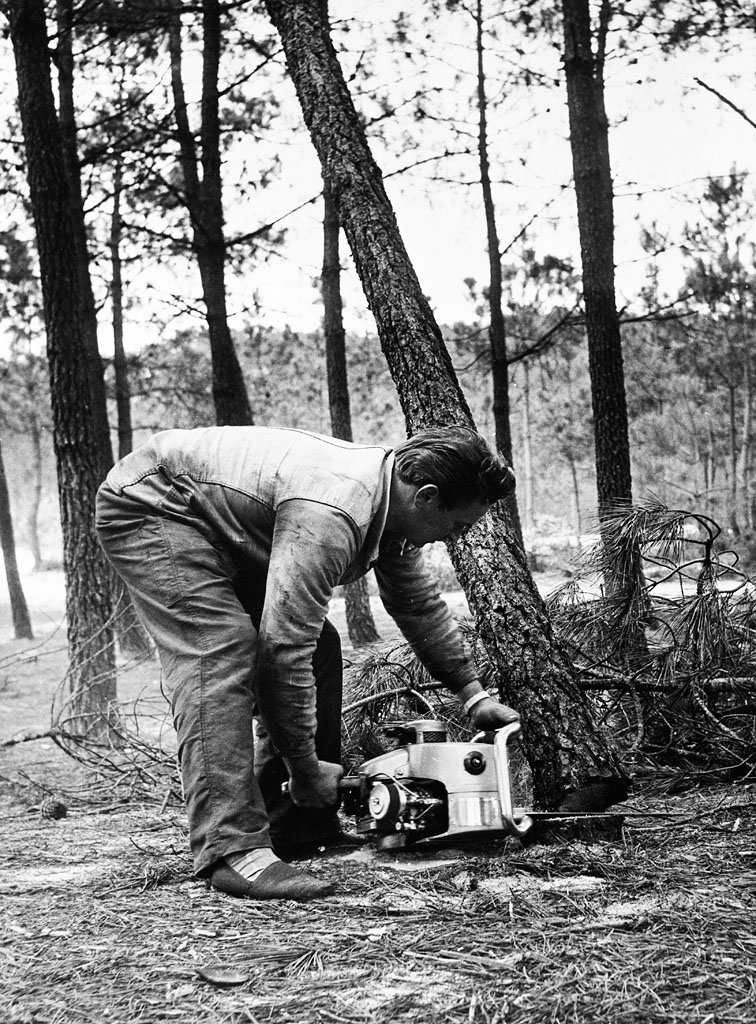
x: 231, y: 541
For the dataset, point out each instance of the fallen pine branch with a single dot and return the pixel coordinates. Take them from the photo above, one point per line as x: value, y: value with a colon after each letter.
x: 30, y: 737
x: 720, y: 684
x: 396, y: 692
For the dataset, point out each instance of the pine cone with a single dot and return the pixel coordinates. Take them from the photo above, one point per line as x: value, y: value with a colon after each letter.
x: 53, y: 808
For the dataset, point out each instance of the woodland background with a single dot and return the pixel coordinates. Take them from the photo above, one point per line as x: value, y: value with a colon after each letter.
x: 687, y: 305
x: 150, y: 141
x: 573, y: 182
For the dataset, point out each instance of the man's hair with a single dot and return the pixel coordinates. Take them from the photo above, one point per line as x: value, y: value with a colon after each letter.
x: 459, y: 462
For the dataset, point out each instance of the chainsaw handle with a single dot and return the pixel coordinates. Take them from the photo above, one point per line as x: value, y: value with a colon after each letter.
x: 345, y: 785
x: 502, y: 738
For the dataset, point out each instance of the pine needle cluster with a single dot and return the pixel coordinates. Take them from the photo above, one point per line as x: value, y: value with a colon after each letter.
x: 660, y: 612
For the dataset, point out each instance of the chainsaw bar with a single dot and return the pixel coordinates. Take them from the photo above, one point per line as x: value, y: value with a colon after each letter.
x: 573, y: 823
x: 574, y: 815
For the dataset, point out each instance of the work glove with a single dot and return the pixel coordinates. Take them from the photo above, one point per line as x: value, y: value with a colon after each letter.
x: 488, y: 715
x: 314, y: 783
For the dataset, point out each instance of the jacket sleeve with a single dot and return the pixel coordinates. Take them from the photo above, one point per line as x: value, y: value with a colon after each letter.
x: 412, y: 599
x: 312, y: 546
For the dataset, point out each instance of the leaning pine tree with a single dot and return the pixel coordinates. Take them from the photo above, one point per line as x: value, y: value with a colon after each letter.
x: 569, y: 756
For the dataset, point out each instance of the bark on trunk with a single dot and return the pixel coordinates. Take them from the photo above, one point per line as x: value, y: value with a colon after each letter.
x: 204, y: 200
x: 733, y: 521
x: 497, y: 332
x: 88, y: 310
x: 746, y: 443
x: 527, y: 450
x: 91, y: 678
x: 333, y: 324
x: 132, y: 637
x: 406, y: 325
x: 359, y: 616
x: 576, y: 516
x: 589, y: 139
x: 564, y: 748
x: 120, y: 366
x: 711, y: 462
x: 32, y: 518
x: 19, y: 610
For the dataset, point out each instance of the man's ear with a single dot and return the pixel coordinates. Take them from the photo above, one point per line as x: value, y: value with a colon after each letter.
x: 426, y: 496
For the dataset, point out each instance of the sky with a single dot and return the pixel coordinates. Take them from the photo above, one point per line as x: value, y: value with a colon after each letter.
x: 667, y: 135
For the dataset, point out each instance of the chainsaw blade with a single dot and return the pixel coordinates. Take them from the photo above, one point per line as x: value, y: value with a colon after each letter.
x: 573, y: 815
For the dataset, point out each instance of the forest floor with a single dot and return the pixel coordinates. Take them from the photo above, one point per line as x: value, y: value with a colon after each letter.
x: 103, y: 920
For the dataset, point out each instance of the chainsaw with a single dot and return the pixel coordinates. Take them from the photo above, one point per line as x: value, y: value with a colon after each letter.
x: 431, y: 788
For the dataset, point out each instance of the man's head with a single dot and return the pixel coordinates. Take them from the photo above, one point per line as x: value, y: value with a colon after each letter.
x: 446, y: 478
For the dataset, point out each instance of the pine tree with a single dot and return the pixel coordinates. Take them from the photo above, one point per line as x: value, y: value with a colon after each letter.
x: 565, y: 749
x: 91, y: 676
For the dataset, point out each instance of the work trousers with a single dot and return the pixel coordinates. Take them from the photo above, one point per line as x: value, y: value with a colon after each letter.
x: 203, y: 612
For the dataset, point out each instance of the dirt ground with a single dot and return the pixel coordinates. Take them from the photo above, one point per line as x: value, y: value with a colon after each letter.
x: 102, y: 919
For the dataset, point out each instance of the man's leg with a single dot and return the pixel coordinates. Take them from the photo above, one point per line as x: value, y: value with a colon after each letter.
x: 183, y: 594
x: 292, y: 826
x: 182, y: 589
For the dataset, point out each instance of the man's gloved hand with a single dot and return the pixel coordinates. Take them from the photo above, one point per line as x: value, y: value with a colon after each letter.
x: 314, y: 783
x: 489, y: 714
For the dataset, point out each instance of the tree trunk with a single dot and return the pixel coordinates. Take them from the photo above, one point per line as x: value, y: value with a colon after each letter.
x: 21, y: 621
x: 91, y: 679
x: 35, y: 474
x: 732, y: 517
x: 204, y: 200
x: 589, y: 139
x: 565, y: 749
x: 576, y: 516
x: 712, y: 462
x: 497, y: 333
x: 88, y: 310
x: 527, y: 451
x: 746, y: 443
x: 132, y: 637
x: 120, y: 366
x: 333, y: 325
x: 359, y: 616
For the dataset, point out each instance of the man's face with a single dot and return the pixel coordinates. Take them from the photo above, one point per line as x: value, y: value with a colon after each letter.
x: 430, y: 521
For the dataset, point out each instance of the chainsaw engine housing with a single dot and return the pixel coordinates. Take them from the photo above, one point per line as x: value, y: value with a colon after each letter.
x: 430, y: 788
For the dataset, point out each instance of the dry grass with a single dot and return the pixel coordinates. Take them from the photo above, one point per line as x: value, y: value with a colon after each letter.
x: 103, y: 921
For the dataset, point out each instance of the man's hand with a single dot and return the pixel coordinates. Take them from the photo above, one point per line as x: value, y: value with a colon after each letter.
x: 489, y: 714
x: 315, y: 783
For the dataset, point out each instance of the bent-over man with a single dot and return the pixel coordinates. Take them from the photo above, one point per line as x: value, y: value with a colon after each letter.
x: 231, y: 541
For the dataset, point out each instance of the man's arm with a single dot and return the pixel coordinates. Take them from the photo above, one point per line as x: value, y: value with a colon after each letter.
x: 312, y: 546
x: 411, y: 597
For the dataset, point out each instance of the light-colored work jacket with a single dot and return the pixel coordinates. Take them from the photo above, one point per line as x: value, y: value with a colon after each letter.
x: 308, y: 512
